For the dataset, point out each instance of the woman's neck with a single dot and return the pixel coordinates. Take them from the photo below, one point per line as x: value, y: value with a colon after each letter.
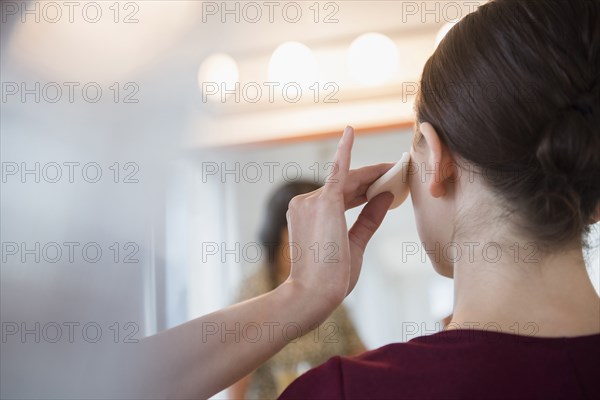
x: 515, y: 290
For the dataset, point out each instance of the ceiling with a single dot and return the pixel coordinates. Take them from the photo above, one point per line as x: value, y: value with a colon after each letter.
x: 164, y: 48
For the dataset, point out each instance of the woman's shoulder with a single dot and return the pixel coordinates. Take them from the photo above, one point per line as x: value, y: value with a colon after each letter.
x: 476, y: 344
x: 460, y: 362
x: 322, y: 382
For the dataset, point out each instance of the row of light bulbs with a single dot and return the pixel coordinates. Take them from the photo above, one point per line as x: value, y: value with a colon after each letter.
x: 372, y: 59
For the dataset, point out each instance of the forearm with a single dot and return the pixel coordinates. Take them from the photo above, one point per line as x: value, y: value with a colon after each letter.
x: 201, y: 357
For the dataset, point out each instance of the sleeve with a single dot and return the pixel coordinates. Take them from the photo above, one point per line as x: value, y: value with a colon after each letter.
x: 324, y: 382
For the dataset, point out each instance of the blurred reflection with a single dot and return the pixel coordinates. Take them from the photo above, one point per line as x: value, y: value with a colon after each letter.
x: 336, y: 336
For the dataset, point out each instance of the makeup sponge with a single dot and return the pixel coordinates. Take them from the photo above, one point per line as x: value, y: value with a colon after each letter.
x: 394, y: 181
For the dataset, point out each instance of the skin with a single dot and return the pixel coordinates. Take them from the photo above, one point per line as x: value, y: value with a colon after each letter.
x: 548, y: 294
x: 185, y: 362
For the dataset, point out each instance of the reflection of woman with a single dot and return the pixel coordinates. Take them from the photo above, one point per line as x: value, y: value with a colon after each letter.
x: 512, y: 161
x: 336, y: 336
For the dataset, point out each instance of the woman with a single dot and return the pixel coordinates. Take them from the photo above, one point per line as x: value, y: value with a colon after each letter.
x: 510, y: 159
x: 530, y: 151
x: 336, y: 336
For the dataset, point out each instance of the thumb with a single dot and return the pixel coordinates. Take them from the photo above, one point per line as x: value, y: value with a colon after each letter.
x: 363, y: 229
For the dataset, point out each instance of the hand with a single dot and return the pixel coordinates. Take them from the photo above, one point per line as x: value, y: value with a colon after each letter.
x: 326, y: 257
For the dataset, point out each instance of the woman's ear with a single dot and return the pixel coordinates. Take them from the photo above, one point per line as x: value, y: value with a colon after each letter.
x: 439, y: 161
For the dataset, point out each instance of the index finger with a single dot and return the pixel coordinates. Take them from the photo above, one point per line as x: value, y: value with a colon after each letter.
x: 341, y: 161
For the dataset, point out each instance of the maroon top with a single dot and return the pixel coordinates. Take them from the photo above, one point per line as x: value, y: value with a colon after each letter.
x: 461, y: 364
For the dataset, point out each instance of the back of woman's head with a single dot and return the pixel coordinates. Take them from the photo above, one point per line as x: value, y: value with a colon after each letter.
x: 513, y: 92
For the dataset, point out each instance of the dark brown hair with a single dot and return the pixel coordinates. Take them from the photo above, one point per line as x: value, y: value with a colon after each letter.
x: 513, y: 90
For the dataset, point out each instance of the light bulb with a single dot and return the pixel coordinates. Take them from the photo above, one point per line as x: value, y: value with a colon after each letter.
x: 373, y: 59
x: 218, y: 68
x: 293, y: 62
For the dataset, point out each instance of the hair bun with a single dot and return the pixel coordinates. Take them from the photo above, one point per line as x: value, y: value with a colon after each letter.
x: 569, y: 163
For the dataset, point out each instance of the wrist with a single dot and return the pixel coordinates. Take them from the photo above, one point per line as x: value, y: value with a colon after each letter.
x: 305, y: 305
